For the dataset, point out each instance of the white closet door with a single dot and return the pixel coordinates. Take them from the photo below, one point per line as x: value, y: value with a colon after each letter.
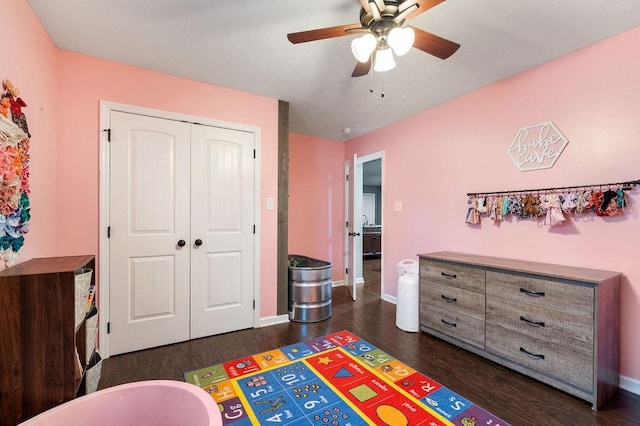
x: 149, y: 215
x: 222, y: 218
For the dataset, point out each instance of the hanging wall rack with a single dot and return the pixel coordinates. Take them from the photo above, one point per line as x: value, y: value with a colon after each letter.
x: 626, y: 185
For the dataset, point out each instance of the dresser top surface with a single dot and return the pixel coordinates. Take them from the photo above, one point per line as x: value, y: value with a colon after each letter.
x: 546, y: 269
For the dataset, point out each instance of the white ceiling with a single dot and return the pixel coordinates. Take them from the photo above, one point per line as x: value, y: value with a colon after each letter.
x: 242, y: 44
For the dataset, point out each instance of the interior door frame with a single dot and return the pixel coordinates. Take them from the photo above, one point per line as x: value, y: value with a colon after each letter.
x: 379, y: 155
x: 106, y: 107
x: 346, y: 254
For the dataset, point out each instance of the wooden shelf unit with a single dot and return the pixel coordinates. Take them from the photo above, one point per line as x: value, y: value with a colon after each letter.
x: 40, y: 344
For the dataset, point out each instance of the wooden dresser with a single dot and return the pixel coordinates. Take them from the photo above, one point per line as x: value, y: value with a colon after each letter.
x: 557, y: 324
x: 44, y: 347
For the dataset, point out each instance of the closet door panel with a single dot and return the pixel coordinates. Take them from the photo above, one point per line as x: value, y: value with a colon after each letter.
x: 224, y: 187
x: 223, y: 269
x: 222, y: 193
x: 152, y: 287
x: 149, y: 214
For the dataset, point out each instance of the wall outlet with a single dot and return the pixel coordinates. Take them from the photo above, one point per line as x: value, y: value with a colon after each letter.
x: 397, y: 206
x: 270, y: 204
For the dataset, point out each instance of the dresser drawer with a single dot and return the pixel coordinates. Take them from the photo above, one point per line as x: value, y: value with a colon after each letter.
x: 572, y: 367
x: 462, y: 327
x: 452, y: 274
x: 558, y: 327
x: 454, y: 299
x: 551, y: 294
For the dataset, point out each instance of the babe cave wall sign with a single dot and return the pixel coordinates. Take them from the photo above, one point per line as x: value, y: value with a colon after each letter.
x: 537, y: 147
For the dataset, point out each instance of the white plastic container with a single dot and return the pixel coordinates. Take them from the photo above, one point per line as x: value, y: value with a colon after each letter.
x: 407, y: 301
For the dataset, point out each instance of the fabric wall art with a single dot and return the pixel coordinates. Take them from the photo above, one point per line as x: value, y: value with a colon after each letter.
x: 14, y: 174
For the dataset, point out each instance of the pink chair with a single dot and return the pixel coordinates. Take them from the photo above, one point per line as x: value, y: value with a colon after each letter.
x: 152, y: 402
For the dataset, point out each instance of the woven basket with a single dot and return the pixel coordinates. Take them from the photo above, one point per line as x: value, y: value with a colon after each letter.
x: 92, y: 333
x: 94, y: 371
x: 83, y: 281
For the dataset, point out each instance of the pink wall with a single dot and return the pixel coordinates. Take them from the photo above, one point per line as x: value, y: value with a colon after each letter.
x: 435, y: 157
x: 316, y: 200
x: 30, y: 61
x: 84, y: 81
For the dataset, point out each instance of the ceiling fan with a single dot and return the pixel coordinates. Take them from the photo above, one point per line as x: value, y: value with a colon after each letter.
x: 383, y: 24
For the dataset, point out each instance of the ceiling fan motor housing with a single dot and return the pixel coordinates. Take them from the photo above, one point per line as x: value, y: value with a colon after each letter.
x: 390, y: 11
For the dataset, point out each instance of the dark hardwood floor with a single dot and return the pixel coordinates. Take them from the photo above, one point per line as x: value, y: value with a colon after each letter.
x: 509, y: 395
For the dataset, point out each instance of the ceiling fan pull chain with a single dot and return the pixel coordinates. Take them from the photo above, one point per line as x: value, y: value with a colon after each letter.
x: 381, y: 84
x: 371, y: 85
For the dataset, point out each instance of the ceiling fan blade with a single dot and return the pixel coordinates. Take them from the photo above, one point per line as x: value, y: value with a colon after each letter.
x: 433, y: 44
x: 362, y: 68
x: 322, y: 33
x: 423, y: 6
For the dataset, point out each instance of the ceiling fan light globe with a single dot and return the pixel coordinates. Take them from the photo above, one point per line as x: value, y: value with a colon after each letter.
x: 401, y: 40
x: 362, y: 47
x: 384, y: 60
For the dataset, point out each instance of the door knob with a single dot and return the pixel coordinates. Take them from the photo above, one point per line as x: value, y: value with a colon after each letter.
x: 181, y: 243
x: 354, y: 234
x: 198, y: 242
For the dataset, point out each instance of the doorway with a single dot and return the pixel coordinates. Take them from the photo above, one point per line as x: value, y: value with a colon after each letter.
x: 364, y: 239
x: 371, y: 266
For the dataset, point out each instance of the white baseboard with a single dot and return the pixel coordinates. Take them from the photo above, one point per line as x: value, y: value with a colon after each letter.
x: 390, y: 299
x: 341, y: 282
x: 630, y: 384
x: 279, y: 319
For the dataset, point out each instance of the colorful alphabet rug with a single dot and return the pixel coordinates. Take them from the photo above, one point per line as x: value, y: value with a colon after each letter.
x: 338, y: 379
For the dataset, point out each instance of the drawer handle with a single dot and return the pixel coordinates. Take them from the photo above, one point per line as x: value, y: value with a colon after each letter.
x: 449, y: 324
x: 450, y: 276
x: 449, y: 299
x: 531, y: 354
x: 532, y: 293
x: 531, y: 322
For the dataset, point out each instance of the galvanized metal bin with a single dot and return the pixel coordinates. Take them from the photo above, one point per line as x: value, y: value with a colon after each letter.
x: 309, y: 289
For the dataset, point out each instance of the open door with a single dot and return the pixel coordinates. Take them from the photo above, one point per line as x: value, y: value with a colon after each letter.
x: 352, y: 228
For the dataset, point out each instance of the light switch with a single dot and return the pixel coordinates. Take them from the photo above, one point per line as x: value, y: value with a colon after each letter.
x: 270, y: 205
x: 397, y: 206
